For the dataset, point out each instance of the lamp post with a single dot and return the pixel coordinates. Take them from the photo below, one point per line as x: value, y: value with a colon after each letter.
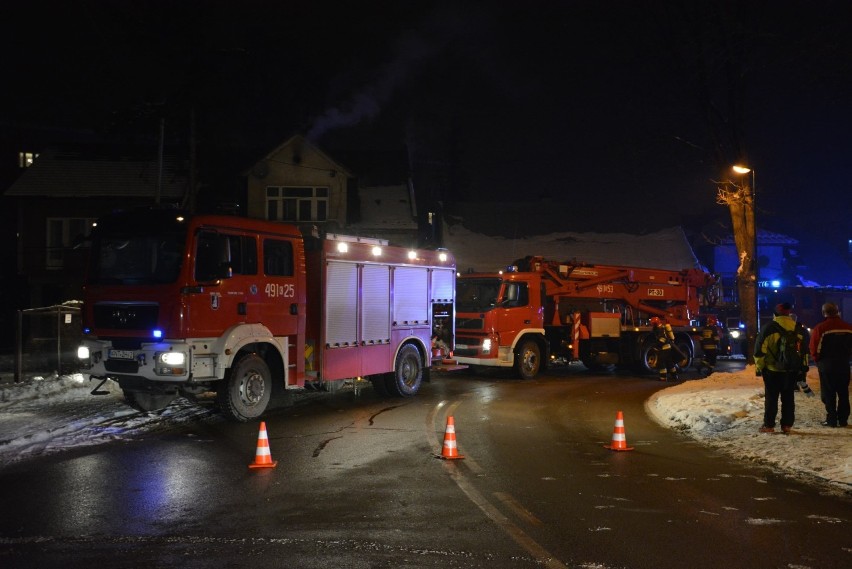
x: 751, y: 212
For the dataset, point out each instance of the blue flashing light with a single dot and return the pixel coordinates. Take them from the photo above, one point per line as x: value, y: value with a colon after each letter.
x: 87, y: 330
x: 776, y: 283
x: 157, y: 334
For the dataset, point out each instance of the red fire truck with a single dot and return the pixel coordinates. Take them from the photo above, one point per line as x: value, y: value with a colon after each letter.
x: 539, y: 311
x: 180, y: 304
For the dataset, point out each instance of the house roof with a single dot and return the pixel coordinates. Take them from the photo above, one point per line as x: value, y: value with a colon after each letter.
x: 386, y: 208
x: 56, y: 175
x: 296, y: 142
x: 664, y: 249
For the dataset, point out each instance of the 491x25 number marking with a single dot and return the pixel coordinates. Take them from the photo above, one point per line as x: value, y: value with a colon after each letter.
x: 280, y: 290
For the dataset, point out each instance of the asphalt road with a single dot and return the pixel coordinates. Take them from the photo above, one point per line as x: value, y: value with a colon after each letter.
x: 358, y: 485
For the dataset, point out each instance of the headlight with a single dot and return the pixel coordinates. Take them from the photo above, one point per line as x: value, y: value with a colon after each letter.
x: 735, y: 334
x: 83, y: 352
x: 486, y: 346
x: 170, y: 363
x: 172, y: 358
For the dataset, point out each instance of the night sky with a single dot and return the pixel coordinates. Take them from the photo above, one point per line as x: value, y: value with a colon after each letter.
x: 595, y: 105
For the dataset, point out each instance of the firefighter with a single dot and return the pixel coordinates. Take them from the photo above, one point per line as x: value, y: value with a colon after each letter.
x: 665, y: 341
x: 709, y: 345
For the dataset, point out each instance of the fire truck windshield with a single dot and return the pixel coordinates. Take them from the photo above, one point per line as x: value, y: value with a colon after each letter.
x: 477, y: 295
x: 136, y: 257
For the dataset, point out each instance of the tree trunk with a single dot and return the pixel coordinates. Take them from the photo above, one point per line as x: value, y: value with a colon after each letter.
x: 742, y: 219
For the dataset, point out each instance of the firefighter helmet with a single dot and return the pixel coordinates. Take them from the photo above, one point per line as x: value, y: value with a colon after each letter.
x: 655, y: 321
x: 711, y: 321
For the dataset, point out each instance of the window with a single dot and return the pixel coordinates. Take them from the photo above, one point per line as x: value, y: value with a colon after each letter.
x: 63, y: 233
x: 277, y: 258
x: 218, y: 255
x: 243, y: 254
x: 26, y: 159
x: 296, y: 204
x: 516, y: 294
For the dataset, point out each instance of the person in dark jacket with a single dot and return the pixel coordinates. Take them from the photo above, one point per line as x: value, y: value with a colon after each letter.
x: 778, y: 382
x: 831, y: 347
x: 664, y: 341
x: 709, y: 345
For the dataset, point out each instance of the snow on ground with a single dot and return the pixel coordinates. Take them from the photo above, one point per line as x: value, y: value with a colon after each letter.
x: 725, y: 411
x: 46, y: 415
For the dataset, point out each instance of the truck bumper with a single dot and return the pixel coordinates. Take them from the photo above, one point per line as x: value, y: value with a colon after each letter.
x: 146, y: 363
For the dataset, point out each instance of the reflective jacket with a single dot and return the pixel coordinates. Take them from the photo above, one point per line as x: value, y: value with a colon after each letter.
x: 709, y: 338
x: 766, y: 345
x: 665, y: 336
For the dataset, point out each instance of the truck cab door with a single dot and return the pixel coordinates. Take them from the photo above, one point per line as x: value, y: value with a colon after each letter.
x: 224, y: 267
x: 276, y: 303
x: 515, y: 312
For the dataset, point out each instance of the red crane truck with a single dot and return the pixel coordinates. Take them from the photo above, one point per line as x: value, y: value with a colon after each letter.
x: 539, y: 311
x: 181, y: 304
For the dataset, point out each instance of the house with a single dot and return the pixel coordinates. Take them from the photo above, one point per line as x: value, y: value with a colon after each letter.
x: 298, y: 183
x: 58, y: 197
x: 777, y: 256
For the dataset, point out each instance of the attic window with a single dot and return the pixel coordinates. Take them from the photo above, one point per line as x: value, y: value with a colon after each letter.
x: 26, y: 159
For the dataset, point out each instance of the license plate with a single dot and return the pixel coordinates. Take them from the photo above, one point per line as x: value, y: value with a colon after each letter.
x: 121, y: 354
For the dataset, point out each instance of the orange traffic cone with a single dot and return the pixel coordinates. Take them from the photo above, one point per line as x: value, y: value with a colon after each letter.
x: 619, y: 440
x: 263, y: 458
x: 450, y: 450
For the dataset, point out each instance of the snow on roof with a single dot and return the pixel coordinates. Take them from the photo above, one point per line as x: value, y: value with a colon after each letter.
x: 664, y: 249
x: 386, y: 207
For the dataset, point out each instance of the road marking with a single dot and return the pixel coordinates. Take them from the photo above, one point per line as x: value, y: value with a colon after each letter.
x: 516, y: 507
x: 526, y: 542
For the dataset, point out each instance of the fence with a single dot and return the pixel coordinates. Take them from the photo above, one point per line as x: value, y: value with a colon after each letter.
x: 47, y: 340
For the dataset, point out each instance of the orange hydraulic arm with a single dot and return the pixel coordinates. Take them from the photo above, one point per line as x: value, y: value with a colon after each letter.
x: 671, y: 294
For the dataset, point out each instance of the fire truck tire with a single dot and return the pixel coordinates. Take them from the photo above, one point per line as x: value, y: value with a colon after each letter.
x: 407, y: 373
x: 245, y: 392
x: 686, y: 350
x: 647, y: 358
x: 527, y: 359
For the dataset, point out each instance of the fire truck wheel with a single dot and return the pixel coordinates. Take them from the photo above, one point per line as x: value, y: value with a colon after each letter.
x: 245, y: 391
x: 647, y: 358
x: 686, y: 354
x: 527, y: 359
x: 407, y: 372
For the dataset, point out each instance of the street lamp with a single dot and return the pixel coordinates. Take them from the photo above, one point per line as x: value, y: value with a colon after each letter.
x: 752, y: 214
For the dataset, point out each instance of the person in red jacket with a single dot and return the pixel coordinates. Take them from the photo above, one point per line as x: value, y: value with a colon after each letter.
x: 831, y: 346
